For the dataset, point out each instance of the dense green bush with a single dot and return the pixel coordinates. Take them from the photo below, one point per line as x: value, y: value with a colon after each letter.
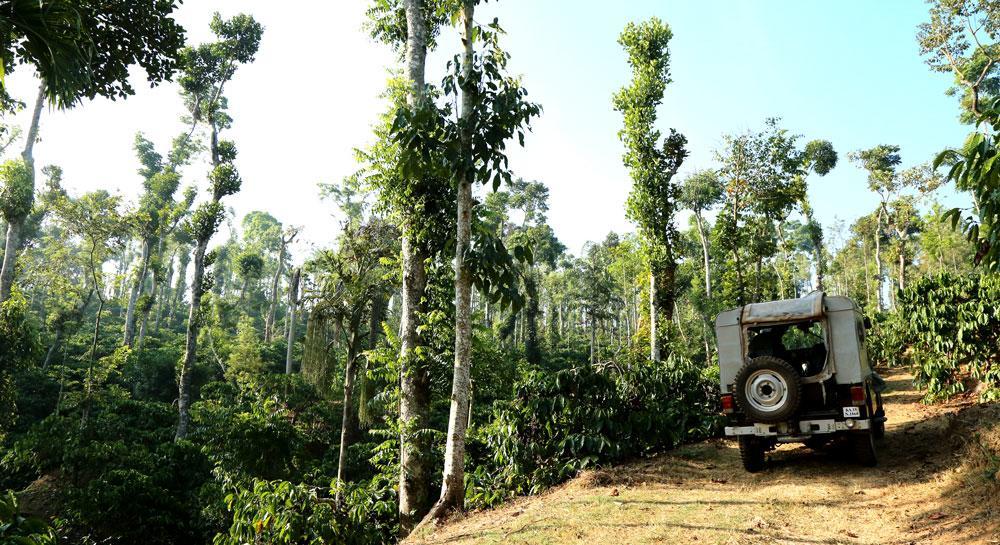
x: 17, y: 528
x: 887, y: 340
x: 953, y: 325
x: 564, y: 421
x: 20, y: 347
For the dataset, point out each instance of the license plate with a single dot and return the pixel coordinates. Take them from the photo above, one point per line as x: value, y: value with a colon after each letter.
x: 852, y: 412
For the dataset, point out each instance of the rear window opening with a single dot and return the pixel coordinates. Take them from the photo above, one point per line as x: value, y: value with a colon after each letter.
x: 802, y: 344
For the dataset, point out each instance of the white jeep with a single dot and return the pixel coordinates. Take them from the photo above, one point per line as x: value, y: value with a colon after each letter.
x: 797, y: 370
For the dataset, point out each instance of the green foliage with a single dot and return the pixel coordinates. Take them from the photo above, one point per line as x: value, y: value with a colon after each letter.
x: 84, y: 48
x: 952, y: 325
x: 245, y: 359
x: 17, y: 190
x: 19, y: 529
x: 19, y: 339
x: 576, y: 418
x: 974, y: 169
x: 654, y: 197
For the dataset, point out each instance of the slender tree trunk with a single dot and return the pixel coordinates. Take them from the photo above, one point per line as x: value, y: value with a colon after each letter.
x: 532, y: 351
x: 90, y: 367
x: 415, y: 453
x: 453, y: 486
x: 142, y: 331
x: 654, y: 341
x: 273, y: 304
x: 349, y: 415
x: 9, y: 257
x: 704, y: 251
x: 181, y: 286
x: 293, y: 301
x: 593, y: 338
x: 53, y: 348
x: 734, y: 246
x: 163, y: 299
x: 902, y: 263
x: 137, y: 288
x: 15, y: 225
x: 191, y: 341
x: 878, y: 259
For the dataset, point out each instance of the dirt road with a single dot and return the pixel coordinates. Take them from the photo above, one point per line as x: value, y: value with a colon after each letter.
x: 935, y: 484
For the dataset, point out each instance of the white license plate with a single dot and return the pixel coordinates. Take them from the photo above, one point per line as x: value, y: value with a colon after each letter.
x: 852, y: 412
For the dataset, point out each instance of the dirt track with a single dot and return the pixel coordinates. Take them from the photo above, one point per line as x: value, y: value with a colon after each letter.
x: 931, y: 487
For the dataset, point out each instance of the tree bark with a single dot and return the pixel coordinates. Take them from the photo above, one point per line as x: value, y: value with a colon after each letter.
x: 293, y: 301
x: 453, y: 486
x: 273, y: 304
x: 191, y: 341
x: 53, y: 348
x: 14, y: 225
x: 593, y: 337
x: 654, y: 342
x: 878, y: 259
x: 415, y: 454
x: 9, y: 258
x: 163, y: 299
x: 137, y: 288
x: 181, y: 285
x: 349, y: 414
x: 705, y: 255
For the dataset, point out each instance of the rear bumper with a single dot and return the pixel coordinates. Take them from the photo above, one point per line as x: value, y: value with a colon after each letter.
x: 805, y: 429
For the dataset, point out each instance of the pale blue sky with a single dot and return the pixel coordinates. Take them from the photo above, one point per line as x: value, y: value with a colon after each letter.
x: 846, y: 71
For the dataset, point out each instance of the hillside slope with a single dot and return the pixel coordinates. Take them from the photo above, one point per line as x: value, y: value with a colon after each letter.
x: 936, y: 483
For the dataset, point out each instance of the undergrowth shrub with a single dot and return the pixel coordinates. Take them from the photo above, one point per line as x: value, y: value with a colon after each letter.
x: 562, y: 422
x: 953, y: 325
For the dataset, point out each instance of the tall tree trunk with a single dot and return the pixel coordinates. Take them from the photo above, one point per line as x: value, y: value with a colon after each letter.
x: 273, y: 303
x: 137, y: 288
x: 142, y: 331
x: 532, y: 351
x: 14, y: 225
x: 366, y: 393
x: 453, y: 486
x: 163, y: 299
x: 52, y: 349
x: 415, y: 453
x: 654, y: 341
x: 349, y: 415
x: 180, y: 288
x: 9, y: 258
x: 593, y: 337
x: 704, y: 251
x: 902, y: 263
x: 878, y: 259
x: 867, y: 277
x: 293, y: 301
x: 85, y: 413
x: 734, y: 246
x: 191, y: 341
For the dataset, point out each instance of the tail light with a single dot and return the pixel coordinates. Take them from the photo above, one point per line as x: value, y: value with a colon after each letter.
x: 857, y: 395
x: 728, y: 403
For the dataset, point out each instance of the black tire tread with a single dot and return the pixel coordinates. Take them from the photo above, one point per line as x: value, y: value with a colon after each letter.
x: 863, y: 449
x: 752, y: 454
x: 792, y: 377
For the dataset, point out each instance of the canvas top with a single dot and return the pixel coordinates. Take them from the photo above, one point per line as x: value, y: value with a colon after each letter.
x: 803, y: 308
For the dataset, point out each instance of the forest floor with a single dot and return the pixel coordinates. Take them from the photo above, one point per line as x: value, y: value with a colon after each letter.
x: 937, y: 482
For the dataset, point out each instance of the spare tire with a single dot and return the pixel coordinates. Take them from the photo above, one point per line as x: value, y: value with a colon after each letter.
x: 768, y: 389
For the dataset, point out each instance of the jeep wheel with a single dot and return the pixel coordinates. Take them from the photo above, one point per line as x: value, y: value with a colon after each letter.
x: 768, y: 389
x: 863, y: 448
x: 878, y: 420
x: 752, y: 453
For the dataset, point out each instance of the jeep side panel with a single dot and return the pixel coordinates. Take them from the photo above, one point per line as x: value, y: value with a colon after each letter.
x: 848, y: 341
x: 727, y: 332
